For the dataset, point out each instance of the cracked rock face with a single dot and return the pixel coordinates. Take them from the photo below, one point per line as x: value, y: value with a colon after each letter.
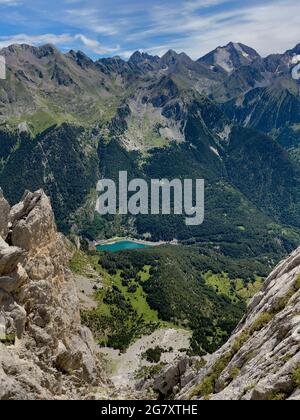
x: 45, y: 353
x: 261, y: 361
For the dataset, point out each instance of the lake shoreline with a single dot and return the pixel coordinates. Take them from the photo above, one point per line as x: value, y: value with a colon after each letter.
x: 115, y: 240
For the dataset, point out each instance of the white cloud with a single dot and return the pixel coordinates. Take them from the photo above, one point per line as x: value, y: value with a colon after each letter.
x: 64, y: 41
x: 35, y: 40
x: 270, y: 28
x: 10, y: 2
x: 193, y: 26
x: 94, y: 45
x: 88, y: 19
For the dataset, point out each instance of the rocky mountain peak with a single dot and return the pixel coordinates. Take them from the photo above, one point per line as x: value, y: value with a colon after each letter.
x: 177, y: 62
x: 80, y: 58
x: 28, y: 63
x: 138, y: 57
x: 295, y: 50
x: 170, y: 57
x: 111, y: 65
x: 47, y: 50
x: 230, y: 57
x: 41, y: 338
x: 143, y: 62
x: 39, y: 52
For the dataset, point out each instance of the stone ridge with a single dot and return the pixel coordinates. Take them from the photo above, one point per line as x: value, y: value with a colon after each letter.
x: 261, y: 361
x: 45, y: 352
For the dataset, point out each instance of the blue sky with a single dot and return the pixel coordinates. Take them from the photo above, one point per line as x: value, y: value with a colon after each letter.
x: 120, y: 27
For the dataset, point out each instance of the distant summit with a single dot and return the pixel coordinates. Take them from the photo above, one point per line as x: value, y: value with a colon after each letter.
x: 230, y: 57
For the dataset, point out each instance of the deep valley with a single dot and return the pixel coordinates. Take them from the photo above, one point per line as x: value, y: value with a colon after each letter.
x: 231, y: 118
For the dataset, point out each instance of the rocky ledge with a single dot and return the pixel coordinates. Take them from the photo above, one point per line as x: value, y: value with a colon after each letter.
x: 45, y: 352
x: 261, y: 361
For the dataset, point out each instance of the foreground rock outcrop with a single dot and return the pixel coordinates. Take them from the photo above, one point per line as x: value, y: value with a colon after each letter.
x: 261, y: 361
x: 45, y: 352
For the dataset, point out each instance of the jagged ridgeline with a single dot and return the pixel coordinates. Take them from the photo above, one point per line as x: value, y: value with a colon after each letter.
x: 67, y: 121
x: 231, y: 118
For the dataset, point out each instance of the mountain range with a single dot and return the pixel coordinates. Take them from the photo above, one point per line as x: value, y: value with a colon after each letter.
x: 232, y: 117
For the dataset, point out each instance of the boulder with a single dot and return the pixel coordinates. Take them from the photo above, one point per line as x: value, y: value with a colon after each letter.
x: 12, y: 282
x: 10, y: 257
x: 32, y: 222
x: 170, y: 378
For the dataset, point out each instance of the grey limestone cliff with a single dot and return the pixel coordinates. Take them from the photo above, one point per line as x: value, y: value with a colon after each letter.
x: 45, y: 352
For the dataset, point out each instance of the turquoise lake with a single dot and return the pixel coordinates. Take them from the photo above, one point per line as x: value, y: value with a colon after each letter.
x: 121, y: 246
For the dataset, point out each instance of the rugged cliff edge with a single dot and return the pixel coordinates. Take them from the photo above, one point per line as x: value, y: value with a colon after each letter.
x: 261, y: 361
x: 45, y: 353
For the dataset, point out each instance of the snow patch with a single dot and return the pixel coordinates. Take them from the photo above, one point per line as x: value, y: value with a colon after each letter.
x: 222, y: 59
x: 240, y: 50
x: 215, y: 151
x: 295, y: 59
